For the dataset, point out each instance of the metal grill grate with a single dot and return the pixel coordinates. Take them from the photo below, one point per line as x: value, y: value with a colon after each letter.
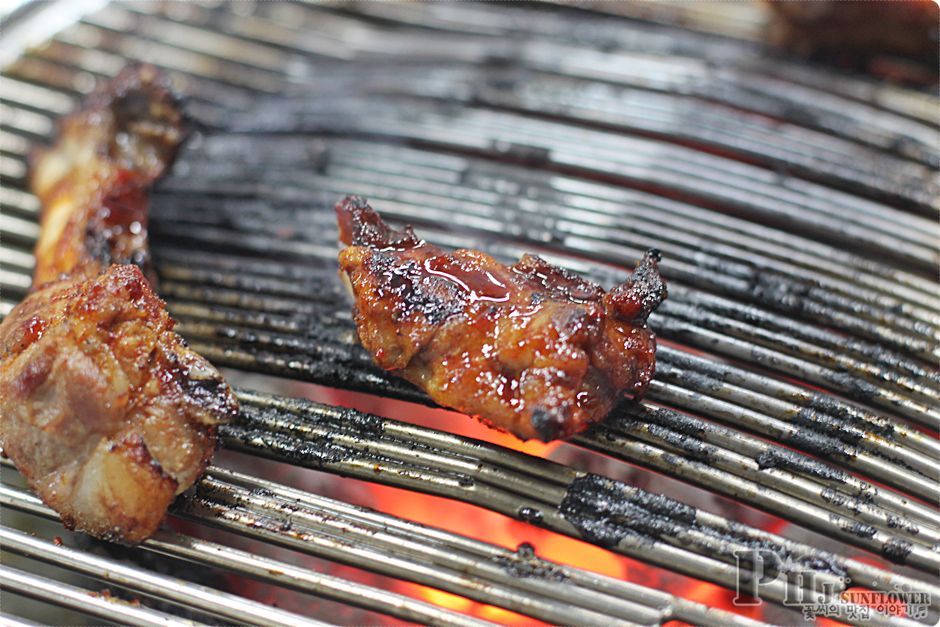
x: 796, y: 210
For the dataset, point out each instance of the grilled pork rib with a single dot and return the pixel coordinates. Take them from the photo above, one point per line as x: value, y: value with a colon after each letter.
x: 530, y: 348
x: 103, y: 408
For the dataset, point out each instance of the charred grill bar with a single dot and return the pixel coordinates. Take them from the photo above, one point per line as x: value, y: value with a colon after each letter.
x: 797, y: 216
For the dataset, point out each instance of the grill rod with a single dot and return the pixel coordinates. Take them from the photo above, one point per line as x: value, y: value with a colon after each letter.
x: 266, y: 569
x: 891, y: 394
x: 882, y: 314
x: 822, y: 375
x: 223, y: 500
x: 79, y: 599
x: 874, y: 234
x: 700, y: 402
x: 324, y: 438
x: 177, y: 591
x: 289, y: 28
x: 709, y: 383
x: 624, y: 198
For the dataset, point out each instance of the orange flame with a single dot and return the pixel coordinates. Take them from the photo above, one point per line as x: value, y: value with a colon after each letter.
x: 507, y: 532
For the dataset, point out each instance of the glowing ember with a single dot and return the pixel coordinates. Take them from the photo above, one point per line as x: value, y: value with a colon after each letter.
x: 495, y: 528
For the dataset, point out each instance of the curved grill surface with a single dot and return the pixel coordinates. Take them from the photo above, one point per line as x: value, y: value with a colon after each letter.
x: 796, y: 210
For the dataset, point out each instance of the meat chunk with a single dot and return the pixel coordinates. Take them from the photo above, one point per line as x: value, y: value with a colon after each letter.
x: 892, y: 40
x: 103, y: 408
x: 93, y: 183
x: 530, y: 348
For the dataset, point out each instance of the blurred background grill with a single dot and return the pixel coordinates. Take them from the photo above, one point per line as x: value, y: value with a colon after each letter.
x: 795, y: 404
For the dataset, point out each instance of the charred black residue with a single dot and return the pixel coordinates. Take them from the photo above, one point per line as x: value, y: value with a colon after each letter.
x: 686, y: 361
x: 791, y: 460
x: 897, y: 550
x: 819, y: 444
x: 701, y: 382
x: 694, y: 449
x: 531, y: 515
x: 318, y: 453
x: 524, y: 154
x: 856, y: 388
x: 548, y: 422
x: 605, y: 512
x: 842, y: 411
x: 858, y: 529
x: 827, y: 424
x: 854, y: 504
x: 211, y: 393
x: 524, y: 563
x: 779, y: 291
x: 320, y: 437
x: 899, y: 522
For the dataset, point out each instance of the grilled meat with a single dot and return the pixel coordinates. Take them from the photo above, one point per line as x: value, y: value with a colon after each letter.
x: 94, y: 182
x: 103, y: 408
x: 893, y: 40
x: 529, y: 348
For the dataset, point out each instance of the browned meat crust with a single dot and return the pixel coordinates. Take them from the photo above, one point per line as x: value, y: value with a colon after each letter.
x: 94, y: 182
x: 531, y: 348
x: 103, y: 408
x: 895, y: 40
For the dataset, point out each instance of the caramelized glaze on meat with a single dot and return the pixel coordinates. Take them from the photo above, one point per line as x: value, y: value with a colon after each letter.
x: 530, y: 348
x: 93, y: 183
x: 103, y: 408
